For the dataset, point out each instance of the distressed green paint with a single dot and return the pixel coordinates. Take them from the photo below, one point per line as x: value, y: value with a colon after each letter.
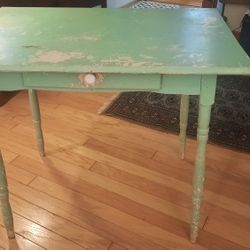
x: 110, y: 82
x: 184, y: 108
x: 208, y: 87
x: 4, y: 198
x: 170, y: 41
x: 180, y: 84
x: 35, y: 109
x: 10, y: 81
x: 174, y: 51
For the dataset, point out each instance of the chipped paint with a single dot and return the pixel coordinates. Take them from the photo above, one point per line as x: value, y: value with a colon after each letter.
x: 174, y: 48
x: 54, y: 56
x: 90, y: 58
x: 209, y: 22
x: 193, y: 59
x: 146, y: 57
x: 128, y: 61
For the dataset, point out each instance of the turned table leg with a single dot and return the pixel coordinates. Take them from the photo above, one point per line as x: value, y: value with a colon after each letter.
x: 35, y: 109
x: 4, y: 198
x: 208, y: 86
x: 184, y: 108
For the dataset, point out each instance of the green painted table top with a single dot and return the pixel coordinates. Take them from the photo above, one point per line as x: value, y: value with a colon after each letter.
x: 170, y: 41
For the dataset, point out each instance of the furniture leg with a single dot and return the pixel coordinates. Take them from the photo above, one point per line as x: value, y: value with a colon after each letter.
x: 208, y: 86
x: 4, y: 197
x: 35, y: 109
x: 184, y: 108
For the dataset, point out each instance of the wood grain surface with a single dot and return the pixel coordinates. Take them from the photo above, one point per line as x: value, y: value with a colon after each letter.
x: 110, y: 184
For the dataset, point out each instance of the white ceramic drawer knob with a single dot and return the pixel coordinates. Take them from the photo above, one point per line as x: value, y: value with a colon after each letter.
x: 90, y: 79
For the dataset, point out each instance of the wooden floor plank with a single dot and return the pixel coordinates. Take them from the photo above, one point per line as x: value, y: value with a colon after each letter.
x: 163, y: 222
x: 8, y: 156
x: 19, y: 174
x: 7, y: 119
x: 114, y: 184
x: 40, y: 235
x: 58, y: 147
x: 19, y: 243
x: 108, y: 212
x: 85, y: 125
x: 227, y: 163
x: 114, y: 246
x: 173, y: 141
x: 81, y: 217
x: 230, y: 227
x: 58, y: 225
x: 96, y: 180
x: 237, y: 182
x: 27, y: 145
x: 143, y: 184
x: 96, y: 193
x: 104, y: 126
x: 213, y: 197
x: 186, y: 165
x: 216, y: 242
x: 91, y: 101
x: 151, y: 188
x: 147, y: 230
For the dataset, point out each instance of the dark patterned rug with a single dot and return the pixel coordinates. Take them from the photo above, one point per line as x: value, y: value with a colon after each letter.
x: 230, y: 120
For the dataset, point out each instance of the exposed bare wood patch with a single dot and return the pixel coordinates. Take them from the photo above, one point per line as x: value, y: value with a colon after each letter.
x: 129, y: 61
x: 54, y: 56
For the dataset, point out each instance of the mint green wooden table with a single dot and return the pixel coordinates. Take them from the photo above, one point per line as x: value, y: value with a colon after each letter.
x: 174, y: 51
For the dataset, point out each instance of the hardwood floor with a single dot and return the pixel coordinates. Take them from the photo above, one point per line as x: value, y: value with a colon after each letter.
x: 110, y: 184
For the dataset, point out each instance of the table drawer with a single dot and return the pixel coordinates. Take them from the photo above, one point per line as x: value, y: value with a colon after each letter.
x: 11, y: 81
x: 93, y: 81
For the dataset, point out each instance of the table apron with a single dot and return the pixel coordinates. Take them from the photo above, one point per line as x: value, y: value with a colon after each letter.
x: 167, y: 84
x: 110, y: 81
x: 181, y: 84
x: 11, y: 81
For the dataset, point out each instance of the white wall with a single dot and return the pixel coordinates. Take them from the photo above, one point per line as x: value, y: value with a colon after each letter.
x: 235, y: 13
x: 117, y: 3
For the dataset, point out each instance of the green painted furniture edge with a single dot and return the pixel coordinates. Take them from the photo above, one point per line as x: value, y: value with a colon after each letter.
x: 4, y: 198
